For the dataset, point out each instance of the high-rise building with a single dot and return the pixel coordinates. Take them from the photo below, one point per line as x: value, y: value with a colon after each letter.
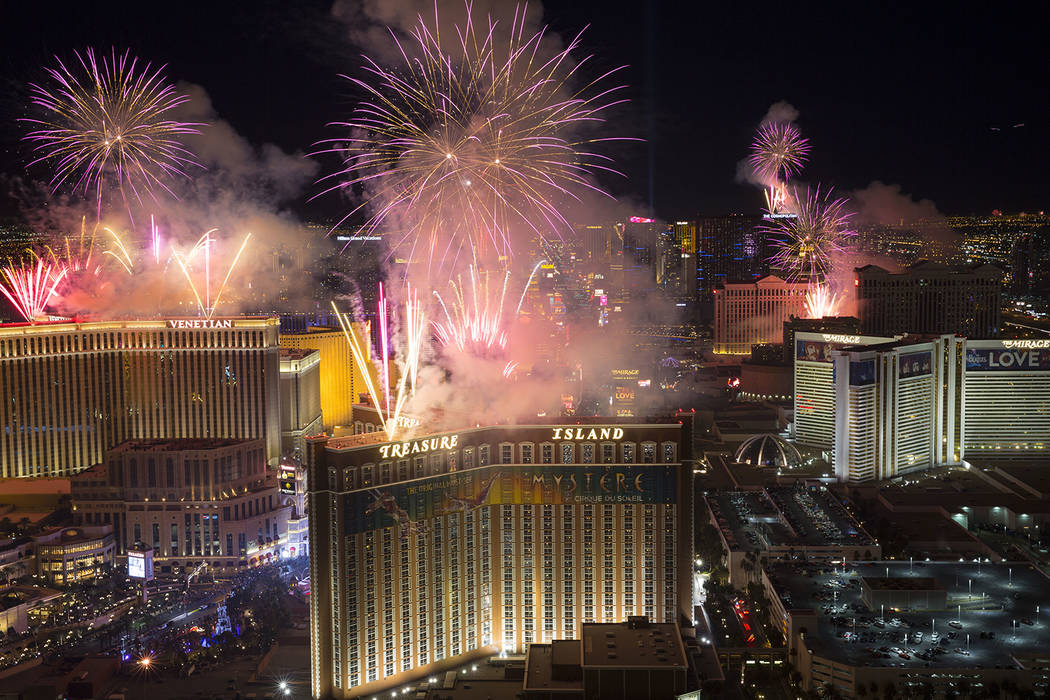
x: 300, y: 399
x: 929, y: 297
x: 834, y: 325
x: 753, y: 313
x: 814, y: 386
x: 73, y: 390
x: 342, y: 381
x: 211, y: 501
x: 889, y: 406
x: 432, y: 551
x: 728, y: 249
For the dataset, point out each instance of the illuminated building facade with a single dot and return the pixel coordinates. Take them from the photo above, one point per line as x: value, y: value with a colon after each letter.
x: 73, y: 390
x: 341, y: 379
x: 890, y: 406
x: 300, y: 398
x: 753, y: 313
x: 69, y: 555
x: 1005, y: 407
x: 211, y: 501
x: 814, y: 387
x: 728, y: 249
x: 930, y: 297
x: 444, y: 548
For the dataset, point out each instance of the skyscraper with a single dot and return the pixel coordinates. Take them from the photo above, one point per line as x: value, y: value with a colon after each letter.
x: 436, y: 550
x: 752, y: 313
x: 71, y: 391
x: 728, y: 249
x: 929, y: 297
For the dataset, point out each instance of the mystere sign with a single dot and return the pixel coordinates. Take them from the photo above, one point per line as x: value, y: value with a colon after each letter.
x: 410, y: 504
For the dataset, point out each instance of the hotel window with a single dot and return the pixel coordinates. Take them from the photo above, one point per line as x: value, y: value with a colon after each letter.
x: 437, y: 463
x: 421, y: 467
x: 669, y: 455
x: 483, y: 456
x: 567, y: 453
x: 587, y: 453
x: 628, y: 453
x: 402, y: 470
x: 547, y: 453
x: 384, y: 473
x: 468, y: 458
x: 506, y: 453
x: 608, y: 452
x: 453, y: 461
x: 648, y: 452
x: 366, y: 475
x: 526, y: 453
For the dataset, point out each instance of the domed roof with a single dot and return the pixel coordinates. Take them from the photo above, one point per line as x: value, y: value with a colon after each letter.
x: 768, y: 450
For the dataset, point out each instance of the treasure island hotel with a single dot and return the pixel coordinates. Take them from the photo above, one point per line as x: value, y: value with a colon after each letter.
x: 432, y: 551
x: 73, y: 390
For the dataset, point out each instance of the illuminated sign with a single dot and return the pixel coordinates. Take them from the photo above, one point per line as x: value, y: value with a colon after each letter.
x: 640, y: 220
x: 584, y: 433
x: 413, y: 447
x: 994, y: 360
x: 286, y: 481
x: 194, y: 323
x: 844, y: 339
x: 914, y: 364
x: 140, y: 564
x: 626, y: 372
x: 624, y: 394
x: 862, y: 373
x: 1026, y: 343
x: 408, y: 505
x: 644, y: 382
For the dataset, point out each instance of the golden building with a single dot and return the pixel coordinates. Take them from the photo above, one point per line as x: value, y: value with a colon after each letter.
x: 73, y: 390
x: 341, y: 379
x: 429, y: 552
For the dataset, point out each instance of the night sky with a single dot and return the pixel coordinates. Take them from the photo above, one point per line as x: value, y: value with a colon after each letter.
x: 905, y: 93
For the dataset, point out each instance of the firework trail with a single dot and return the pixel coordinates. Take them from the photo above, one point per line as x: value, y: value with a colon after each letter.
x: 821, y: 301
x: 206, y: 304
x: 476, y: 317
x: 390, y: 400
x: 777, y: 153
x: 30, y: 288
x: 464, y: 144
x: 107, y: 125
x: 76, y: 254
x: 805, y: 243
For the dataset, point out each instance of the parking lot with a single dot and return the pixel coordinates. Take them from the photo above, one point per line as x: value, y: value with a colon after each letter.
x: 994, y: 611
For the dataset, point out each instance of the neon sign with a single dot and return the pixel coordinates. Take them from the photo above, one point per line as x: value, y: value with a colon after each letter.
x: 585, y: 434
x: 1026, y: 343
x: 402, y: 449
x: 194, y: 323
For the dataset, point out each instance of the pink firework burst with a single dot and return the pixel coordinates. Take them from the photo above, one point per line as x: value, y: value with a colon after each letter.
x: 30, y: 288
x: 468, y: 141
x: 778, y: 151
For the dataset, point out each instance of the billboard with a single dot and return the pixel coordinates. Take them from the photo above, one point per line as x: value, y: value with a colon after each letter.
x: 1007, y: 360
x: 286, y: 480
x: 914, y: 364
x: 862, y: 373
x: 140, y: 564
x: 813, y: 351
x: 410, y: 504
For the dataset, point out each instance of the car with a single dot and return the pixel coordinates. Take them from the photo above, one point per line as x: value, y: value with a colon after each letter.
x: 904, y: 655
x: 955, y: 623
x: 960, y: 650
x: 917, y: 638
x: 1026, y: 621
x: 935, y: 636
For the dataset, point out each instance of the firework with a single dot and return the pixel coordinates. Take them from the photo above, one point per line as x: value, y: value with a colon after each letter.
x: 805, y: 243
x: 107, y: 124
x: 76, y: 254
x: 203, y: 249
x: 778, y: 151
x: 475, y: 315
x: 821, y: 301
x: 388, y: 399
x: 463, y: 145
x: 30, y: 288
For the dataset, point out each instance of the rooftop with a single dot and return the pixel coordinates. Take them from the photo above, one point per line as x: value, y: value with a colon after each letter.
x: 637, y: 643
x: 1006, y: 600
x: 296, y: 353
